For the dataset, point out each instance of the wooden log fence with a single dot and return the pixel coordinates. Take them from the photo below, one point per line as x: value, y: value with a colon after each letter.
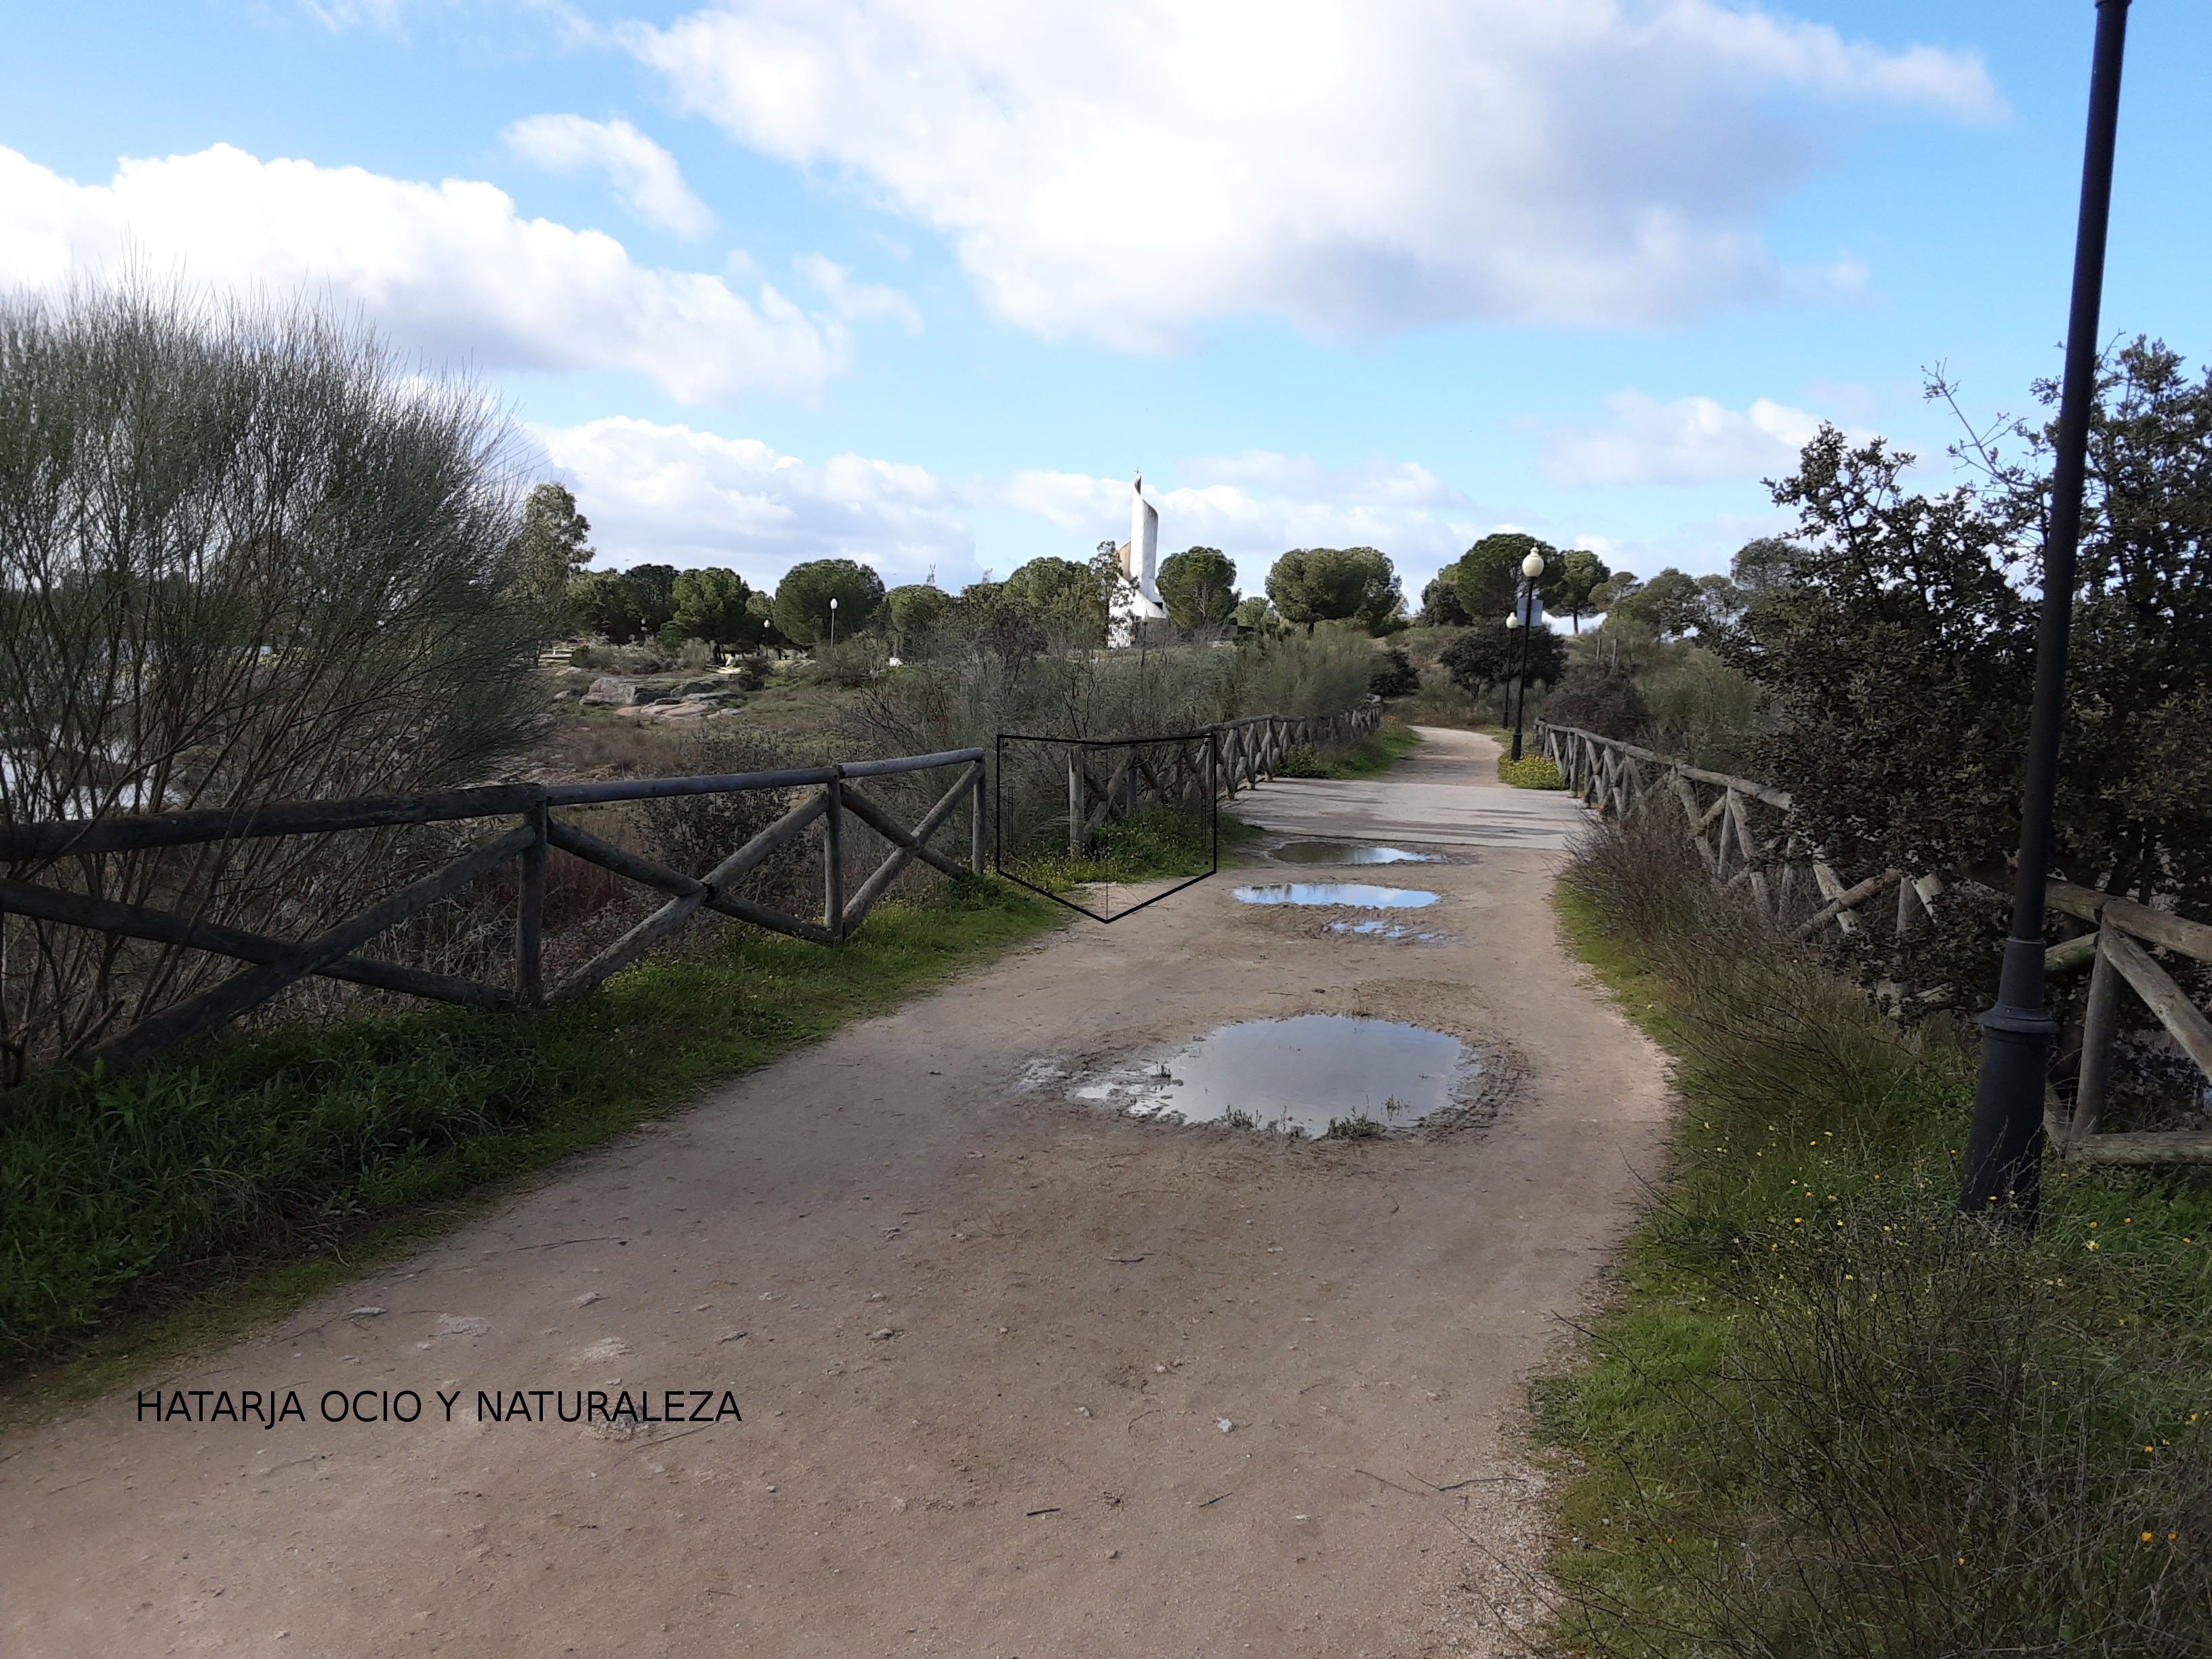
x: 1615, y: 778
x: 830, y: 795
x: 1164, y: 772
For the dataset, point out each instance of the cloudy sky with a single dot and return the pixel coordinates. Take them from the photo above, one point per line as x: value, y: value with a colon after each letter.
x: 923, y: 281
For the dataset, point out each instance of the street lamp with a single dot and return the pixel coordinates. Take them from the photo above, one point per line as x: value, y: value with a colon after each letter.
x: 1524, y: 618
x: 2004, y: 1148
x: 833, y: 619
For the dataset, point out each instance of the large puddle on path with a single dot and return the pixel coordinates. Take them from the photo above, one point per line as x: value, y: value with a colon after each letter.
x: 1303, y: 1075
x: 1358, y: 894
x: 1345, y: 852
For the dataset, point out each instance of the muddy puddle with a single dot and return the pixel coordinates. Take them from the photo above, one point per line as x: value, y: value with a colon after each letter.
x: 1345, y: 852
x: 1380, y: 929
x: 1358, y: 895
x: 1299, y: 1075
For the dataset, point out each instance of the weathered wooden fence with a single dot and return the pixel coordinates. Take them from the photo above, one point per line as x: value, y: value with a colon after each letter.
x: 1253, y: 750
x: 830, y: 796
x: 1106, y: 778
x: 1764, y: 855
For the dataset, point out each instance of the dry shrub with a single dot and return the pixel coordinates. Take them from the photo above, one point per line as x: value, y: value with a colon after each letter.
x: 1835, y: 1418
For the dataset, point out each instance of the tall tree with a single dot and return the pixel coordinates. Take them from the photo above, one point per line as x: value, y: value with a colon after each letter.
x: 1199, y: 587
x: 1669, y: 605
x: 912, y: 610
x: 1488, y: 575
x: 1574, y: 585
x: 1440, y: 605
x: 602, y: 602
x: 1490, y: 653
x: 711, y: 604
x: 1053, y: 589
x: 1330, y: 583
x: 802, y: 599
x: 550, y: 550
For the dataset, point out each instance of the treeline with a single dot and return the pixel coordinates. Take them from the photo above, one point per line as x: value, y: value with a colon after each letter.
x: 819, y: 601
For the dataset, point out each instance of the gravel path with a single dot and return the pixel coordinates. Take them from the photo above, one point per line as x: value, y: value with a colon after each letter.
x: 1017, y: 1377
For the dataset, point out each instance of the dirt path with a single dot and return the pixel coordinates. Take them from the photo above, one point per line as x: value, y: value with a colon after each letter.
x: 1033, y: 1462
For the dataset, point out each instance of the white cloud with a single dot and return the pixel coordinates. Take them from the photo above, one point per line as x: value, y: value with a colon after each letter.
x: 450, y: 268
x: 1690, y: 441
x: 672, y: 495
x: 854, y: 300
x: 645, y: 175
x: 1130, y: 171
x: 1369, y: 483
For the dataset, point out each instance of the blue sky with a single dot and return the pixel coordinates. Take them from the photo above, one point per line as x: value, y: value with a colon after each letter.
x: 923, y: 280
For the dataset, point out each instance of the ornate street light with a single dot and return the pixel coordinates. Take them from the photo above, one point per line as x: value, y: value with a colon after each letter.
x: 1525, y: 616
x: 2004, y: 1148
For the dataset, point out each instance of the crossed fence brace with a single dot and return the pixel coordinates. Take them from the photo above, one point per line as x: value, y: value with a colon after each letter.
x: 277, y: 963
x: 1615, y: 777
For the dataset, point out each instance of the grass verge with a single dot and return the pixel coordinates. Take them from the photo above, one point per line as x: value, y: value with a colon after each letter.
x: 1530, y: 772
x: 1157, y: 844
x: 144, y: 1214
x: 1371, y: 758
x: 1823, y: 1416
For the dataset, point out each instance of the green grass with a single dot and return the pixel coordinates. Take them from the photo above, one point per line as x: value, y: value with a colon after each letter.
x: 1157, y: 844
x: 214, y: 1188
x: 1822, y: 1417
x: 1530, y: 772
x: 1370, y: 759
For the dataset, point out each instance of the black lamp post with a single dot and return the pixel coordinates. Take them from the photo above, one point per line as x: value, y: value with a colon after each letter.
x: 2004, y: 1148
x: 1524, y: 617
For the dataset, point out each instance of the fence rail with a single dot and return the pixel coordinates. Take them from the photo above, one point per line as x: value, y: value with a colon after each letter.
x: 1616, y: 778
x: 1250, y: 750
x: 277, y: 964
x: 1170, y: 771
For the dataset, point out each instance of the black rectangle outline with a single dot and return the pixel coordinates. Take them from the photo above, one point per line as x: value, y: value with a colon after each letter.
x: 998, y: 798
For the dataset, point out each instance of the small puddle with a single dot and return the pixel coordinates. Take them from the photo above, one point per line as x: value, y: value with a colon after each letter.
x: 1380, y: 929
x: 1358, y: 894
x: 1298, y: 1075
x: 1345, y: 852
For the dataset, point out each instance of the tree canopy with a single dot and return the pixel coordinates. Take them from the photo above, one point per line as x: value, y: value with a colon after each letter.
x: 1574, y: 585
x: 551, y: 550
x: 802, y: 610
x: 713, y: 605
x: 1049, y: 588
x: 1490, y: 653
x: 912, y: 610
x: 1899, y: 649
x: 1199, y: 587
x: 1329, y: 584
x: 1488, y: 575
x: 1440, y: 605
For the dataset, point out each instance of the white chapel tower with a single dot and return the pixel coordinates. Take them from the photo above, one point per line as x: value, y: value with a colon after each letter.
x: 1139, y: 559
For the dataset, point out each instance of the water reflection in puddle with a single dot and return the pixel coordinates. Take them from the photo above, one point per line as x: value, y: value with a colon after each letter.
x: 1345, y: 852
x: 1359, y: 894
x: 1380, y: 929
x: 1299, y: 1074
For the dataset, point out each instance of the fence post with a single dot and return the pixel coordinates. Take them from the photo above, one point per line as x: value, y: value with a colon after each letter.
x: 978, y: 847
x: 833, y: 858
x: 2096, y: 1043
x: 530, y: 915
x: 1075, y: 801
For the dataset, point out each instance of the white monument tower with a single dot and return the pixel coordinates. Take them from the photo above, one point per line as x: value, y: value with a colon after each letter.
x: 1139, y: 559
